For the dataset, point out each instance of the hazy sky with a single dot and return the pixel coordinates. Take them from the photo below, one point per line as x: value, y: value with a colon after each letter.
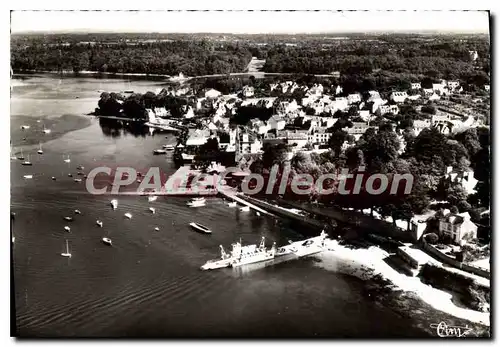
x: 249, y: 22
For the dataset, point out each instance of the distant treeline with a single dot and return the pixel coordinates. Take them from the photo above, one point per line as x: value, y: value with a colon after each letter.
x: 441, y: 57
x: 204, y: 54
x: 169, y: 58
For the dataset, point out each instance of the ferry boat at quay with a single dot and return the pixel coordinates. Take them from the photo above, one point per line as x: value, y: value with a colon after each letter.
x: 241, y: 255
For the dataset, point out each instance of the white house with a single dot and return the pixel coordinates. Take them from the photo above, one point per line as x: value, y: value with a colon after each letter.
x: 338, y: 90
x: 452, y: 85
x: 399, y: 96
x: 487, y: 87
x: 414, y: 97
x: 316, y: 89
x: 320, y: 137
x: 473, y: 55
x: 248, y: 144
x: 465, y: 178
x: 364, y: 114
x: 434, y: 97
x: 458, y: 227
x: 287, y: 106
x: 189, y: 113
x: 212, y: 93
x: 419, y: 125
x: 416, y: 85
x: 248, y: 91
x: 373, y: 96
x: 394, y: 109
x: 277, y: 122
x: 353, y: 98
x: 358, y: 129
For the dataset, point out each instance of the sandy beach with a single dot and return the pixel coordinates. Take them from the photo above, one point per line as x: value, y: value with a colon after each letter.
x: 368, y: 263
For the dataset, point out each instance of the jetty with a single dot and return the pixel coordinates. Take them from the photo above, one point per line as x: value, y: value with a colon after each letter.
x: 229, y: 194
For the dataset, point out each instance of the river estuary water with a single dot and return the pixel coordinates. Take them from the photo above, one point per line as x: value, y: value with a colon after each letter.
x: 149, y: 283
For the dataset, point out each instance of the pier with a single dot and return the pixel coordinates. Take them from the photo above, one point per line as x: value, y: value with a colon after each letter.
x: 227, y: 193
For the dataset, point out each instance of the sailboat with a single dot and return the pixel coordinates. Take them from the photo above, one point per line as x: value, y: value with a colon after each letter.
x: 21, y: 157
x: 45, y: 130
x: 27, y: 162
x: 40, y: 150
x: 67, y: 160
x: 67, y: 253
x: 12, y: 156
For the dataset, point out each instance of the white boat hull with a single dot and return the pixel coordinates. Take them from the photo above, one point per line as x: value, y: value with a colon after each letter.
x: 196, y: 204
x: 198, y: 228
x: 217, y: 264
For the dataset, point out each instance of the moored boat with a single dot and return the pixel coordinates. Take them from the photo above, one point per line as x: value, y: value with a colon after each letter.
x: 128, y: 215
x: 232, y: 204
x: 245, y: 209
x: 67, y: 253
x: 199, y: 227
x: 159, y: 151
x: 107, y: 241
x: 114, y: 204
x: 196, y: 202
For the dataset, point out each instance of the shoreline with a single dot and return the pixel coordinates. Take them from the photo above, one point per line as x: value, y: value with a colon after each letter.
x: 369, y: 263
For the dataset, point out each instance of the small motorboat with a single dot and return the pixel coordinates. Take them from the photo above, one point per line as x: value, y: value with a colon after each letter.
x: 67, y: 228
x: 53, y: 178
x: 196, y: 202
x: 67, y: 160
x: 245, y: 209
x: 28, y: 177
x: 157, y: 229
x: 25, y: 127
x: 69, y: 219
x: 80, y: 168
x: 152, y: 198
x: 258, y: 214
x: 40, y: 150
x: 128, y: 215
x: 152, y: 209
x: 46, y: 131
x: 168, y: 147
x: 77, y: 212
x: 159, y: 151
x: 70, y: 175
x: 139, y: 181
x: 199, y: 227
x: 114, y: 204
x: 79, y: 173
x: 99, y: 223
x: 232, y: 204
x: 107, y: 241
x: 77, y: 180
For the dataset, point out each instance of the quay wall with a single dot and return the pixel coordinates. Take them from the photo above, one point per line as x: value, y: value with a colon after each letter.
x: 435, y: 253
